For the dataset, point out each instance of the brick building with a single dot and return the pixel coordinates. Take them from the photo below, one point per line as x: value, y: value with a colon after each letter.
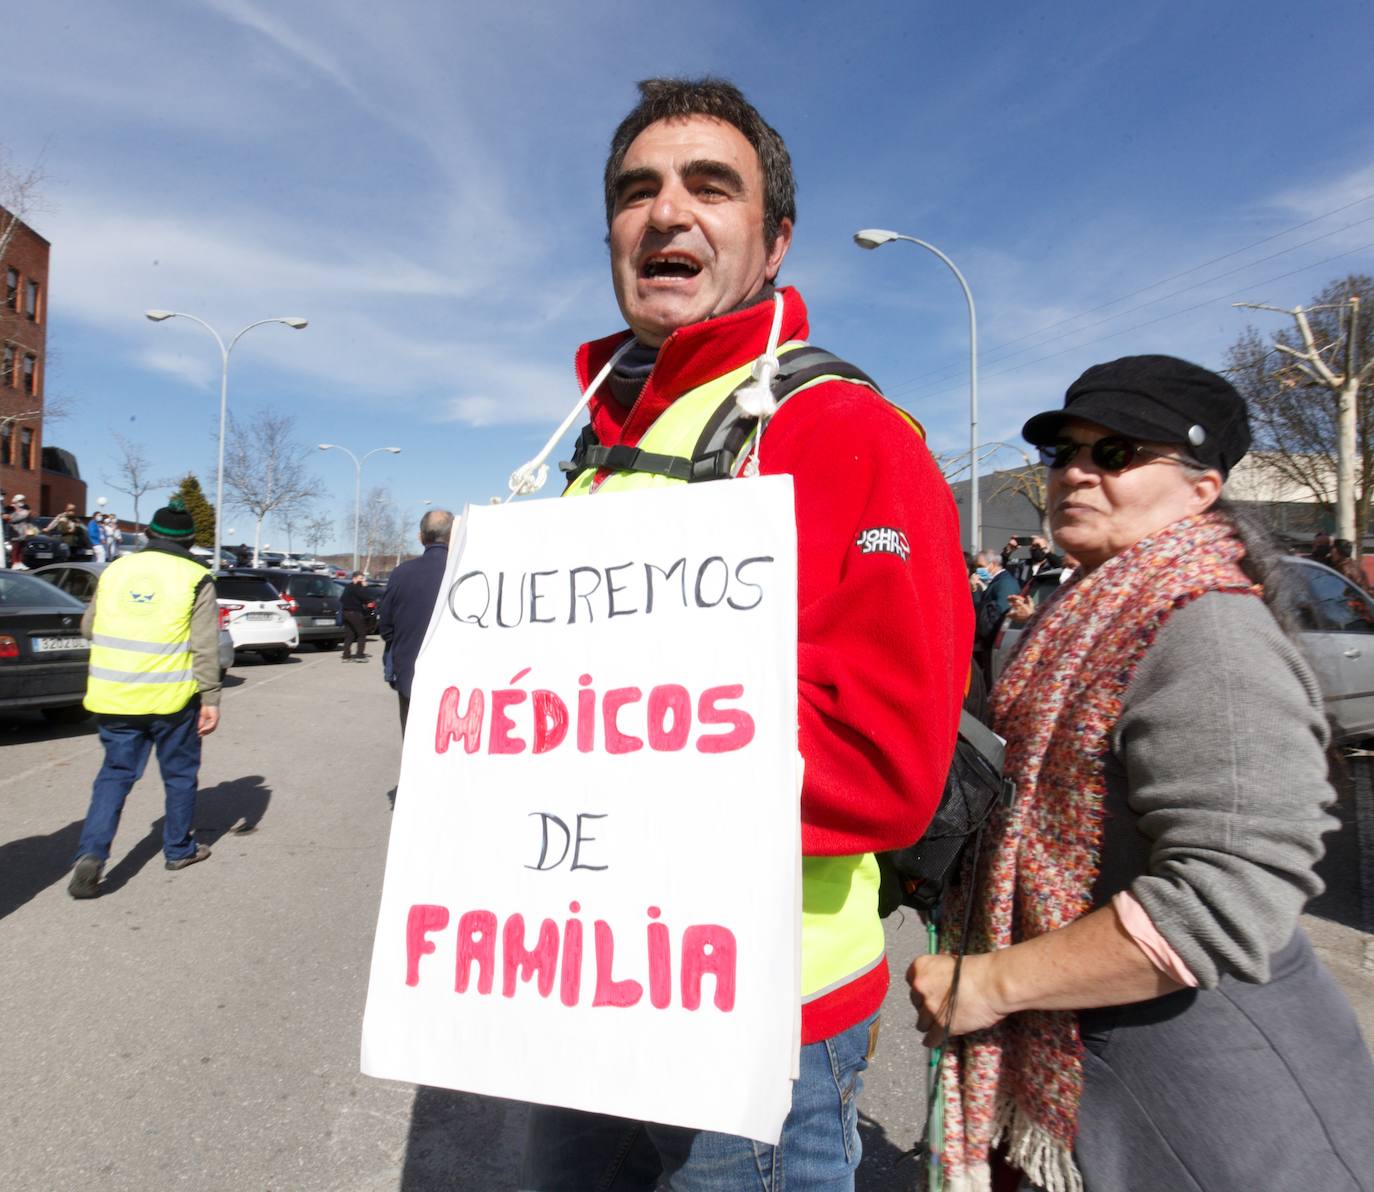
x: 48, y: 477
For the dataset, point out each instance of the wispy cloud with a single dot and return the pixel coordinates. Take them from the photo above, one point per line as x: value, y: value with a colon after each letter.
x: 251, y: 16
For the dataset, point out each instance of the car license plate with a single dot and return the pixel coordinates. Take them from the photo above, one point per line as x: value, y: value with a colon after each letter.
x: 324, y: 620
x: 259, y: 616
x: 51, y: 645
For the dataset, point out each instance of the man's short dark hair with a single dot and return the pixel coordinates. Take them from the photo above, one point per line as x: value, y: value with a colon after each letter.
x: 356, y: 575
x: 436, y: 526
x: 668, y: 99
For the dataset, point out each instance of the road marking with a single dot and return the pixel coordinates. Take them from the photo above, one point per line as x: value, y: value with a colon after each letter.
x: 291, y: 670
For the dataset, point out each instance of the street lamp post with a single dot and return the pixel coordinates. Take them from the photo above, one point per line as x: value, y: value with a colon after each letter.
x: 358, y: 486
x: 292, y: 321
x: 872, y: 238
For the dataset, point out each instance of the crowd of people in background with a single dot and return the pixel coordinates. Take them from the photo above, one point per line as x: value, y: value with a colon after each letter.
x: 94, y: 539
x: 1339, y: 555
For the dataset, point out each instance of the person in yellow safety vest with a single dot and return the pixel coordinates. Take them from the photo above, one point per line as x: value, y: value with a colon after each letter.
x: 154, y: 682
x: 700, y: 207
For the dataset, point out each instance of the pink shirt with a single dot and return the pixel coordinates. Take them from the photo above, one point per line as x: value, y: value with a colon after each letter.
x: 1140, y: 927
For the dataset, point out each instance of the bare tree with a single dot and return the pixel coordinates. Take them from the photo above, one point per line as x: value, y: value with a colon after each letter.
x: 1295, y: 387
x: 317, y: 530
x: 20, y: 195
x: 264, y: 469
x: 1028, y: 482
x: 383, y: 525
x: 379, y: 526
x: 133, y: 476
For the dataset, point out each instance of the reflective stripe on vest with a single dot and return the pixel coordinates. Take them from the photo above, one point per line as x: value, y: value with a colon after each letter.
x: 140, y: 661
x: 842, y: 936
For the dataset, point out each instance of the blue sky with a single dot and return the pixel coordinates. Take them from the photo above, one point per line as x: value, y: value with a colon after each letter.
x: 421, y: 180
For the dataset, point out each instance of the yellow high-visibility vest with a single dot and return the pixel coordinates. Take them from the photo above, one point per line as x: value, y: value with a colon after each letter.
x: 141, y: 662
x: 842, y: 936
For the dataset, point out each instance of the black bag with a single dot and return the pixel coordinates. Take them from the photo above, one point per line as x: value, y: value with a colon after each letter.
x: 917, y: 875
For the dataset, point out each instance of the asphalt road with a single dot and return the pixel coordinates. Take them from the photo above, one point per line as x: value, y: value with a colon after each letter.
x: 200, y: 1029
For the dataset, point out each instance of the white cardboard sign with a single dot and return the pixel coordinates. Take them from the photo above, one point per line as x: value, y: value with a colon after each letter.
x: 592, y: 885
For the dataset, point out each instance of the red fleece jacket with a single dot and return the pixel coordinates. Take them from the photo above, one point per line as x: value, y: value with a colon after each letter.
x: 883, y: 641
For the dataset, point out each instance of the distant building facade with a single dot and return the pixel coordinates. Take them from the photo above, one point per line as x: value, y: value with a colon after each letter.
x: 48, y: 477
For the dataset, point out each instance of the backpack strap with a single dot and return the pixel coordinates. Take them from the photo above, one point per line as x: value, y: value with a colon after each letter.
x: 726, y: 432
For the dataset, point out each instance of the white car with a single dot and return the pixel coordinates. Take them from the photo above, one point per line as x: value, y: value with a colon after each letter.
x: 257, y: 617
x: 1334, y: 623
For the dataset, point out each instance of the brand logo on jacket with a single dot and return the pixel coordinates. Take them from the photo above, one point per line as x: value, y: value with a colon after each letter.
x: 884, y: 540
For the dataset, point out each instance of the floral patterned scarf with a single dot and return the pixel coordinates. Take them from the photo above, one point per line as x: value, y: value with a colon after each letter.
x: 1056, y: 704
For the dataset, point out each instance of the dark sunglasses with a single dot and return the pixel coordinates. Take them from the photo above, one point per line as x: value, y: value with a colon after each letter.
x: 1114, y: 453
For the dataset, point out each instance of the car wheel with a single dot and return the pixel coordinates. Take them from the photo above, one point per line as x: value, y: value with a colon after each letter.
x: 277, y: 655
x: 68, y: 714
x: 331, y: 644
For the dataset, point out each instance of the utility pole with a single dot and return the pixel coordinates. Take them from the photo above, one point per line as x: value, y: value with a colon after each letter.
x: 1346, y: 387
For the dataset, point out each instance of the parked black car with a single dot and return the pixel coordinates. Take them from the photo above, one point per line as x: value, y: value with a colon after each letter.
x: 314, y: 600
x: 42, y: 653
x: 41, y: 549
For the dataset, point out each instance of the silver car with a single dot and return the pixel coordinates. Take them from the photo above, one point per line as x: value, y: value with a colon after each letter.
x: 80, y: 579
x: 1335, y: 623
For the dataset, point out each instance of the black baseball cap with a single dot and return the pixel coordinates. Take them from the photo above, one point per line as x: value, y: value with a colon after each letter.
x: 1157, y: 399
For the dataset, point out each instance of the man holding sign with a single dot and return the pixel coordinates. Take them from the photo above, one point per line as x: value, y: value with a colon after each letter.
x: 700, y: 206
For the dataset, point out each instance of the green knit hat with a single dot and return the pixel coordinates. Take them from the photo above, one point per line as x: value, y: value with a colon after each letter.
x: 172, y: 521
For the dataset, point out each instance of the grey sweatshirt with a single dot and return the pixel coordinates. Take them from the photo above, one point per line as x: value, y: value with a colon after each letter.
x: 1216, y: 788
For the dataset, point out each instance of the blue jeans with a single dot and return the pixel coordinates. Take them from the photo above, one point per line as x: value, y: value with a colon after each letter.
x: 568, y: 1150
x: 128, y: 741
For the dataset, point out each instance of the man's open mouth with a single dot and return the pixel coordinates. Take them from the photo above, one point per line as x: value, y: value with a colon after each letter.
x: 670, y: 265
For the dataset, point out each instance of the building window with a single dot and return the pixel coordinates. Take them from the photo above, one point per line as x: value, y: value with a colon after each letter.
x: 6, y: 442
x: 30, y: 373
x: 26, y: 447
x: 7, y: 367
x: 31, y: 300
x: 11, y: 288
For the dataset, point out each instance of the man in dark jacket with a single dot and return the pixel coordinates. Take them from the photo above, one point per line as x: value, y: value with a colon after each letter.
x: 409, y: 601
x: 354, y: 601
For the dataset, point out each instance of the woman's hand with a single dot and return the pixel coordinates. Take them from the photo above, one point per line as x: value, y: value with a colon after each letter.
x: 930, y: 978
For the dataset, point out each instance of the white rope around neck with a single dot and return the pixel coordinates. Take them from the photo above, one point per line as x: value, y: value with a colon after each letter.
x: 530, y: 477
x: 754, y: 398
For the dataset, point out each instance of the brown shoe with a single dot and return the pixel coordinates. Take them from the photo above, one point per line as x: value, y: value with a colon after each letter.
x: 201, y: 853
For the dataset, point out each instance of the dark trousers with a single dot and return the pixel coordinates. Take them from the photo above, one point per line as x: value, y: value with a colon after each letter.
x: 128, y: 741
x: 405, y: 710
x: 355, y: 630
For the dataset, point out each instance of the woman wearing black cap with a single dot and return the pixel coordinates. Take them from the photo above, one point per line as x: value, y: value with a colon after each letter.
x: 1139, y: 1009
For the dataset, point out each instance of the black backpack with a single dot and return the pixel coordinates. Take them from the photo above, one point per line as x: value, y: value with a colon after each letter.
x: 917, y: 875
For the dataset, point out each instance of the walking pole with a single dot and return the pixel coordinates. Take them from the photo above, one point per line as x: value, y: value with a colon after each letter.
x: 935, y: 1120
